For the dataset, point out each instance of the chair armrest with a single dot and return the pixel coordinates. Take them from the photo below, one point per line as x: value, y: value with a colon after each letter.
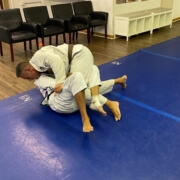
x: 40, y: 28
x: 5, y: 35
x: 30, y: 26
x: 85, y: 19
x: 99, y: 15
x: 56, y: 22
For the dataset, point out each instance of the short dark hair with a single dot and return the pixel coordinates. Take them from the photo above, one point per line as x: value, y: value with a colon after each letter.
x: 20, y: 67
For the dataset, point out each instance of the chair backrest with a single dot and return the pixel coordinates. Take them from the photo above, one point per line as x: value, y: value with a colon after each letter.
x: 38, y: 14
x: 11, y: 18
x: 62, y: 11
x: 82, y: 7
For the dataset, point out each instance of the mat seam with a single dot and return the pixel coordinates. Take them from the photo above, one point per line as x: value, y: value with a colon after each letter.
x: 145, y: 106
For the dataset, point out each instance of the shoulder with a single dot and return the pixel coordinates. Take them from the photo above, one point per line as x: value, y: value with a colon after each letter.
x: 45, y: 52
x: 64, y: 48
x: 77, y: 48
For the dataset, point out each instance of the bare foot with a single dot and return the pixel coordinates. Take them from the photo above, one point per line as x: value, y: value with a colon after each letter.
x: 98, y: 107
x: 114, y: 107
x: 122, y: 81
x: 87, y: 127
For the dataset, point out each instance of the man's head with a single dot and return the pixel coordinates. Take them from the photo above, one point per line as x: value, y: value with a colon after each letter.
x: 26, y: 71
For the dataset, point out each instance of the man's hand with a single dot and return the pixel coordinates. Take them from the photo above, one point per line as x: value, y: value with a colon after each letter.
x: 58, y: 88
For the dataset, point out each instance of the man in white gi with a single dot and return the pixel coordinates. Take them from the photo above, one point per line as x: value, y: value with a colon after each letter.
x: 57, y: 59
x: 73, y: 89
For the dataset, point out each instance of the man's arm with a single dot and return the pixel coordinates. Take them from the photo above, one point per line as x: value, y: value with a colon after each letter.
x: 57, y: 65
x: 43, y: 83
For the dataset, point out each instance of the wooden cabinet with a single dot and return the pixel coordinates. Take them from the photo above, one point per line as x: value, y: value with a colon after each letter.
x: 138, y: 22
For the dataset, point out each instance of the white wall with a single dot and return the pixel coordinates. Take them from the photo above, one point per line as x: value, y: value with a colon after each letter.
x: 135, y: 6
x: 167, y: 3
x: 107, y: 6
x: 176, y: 11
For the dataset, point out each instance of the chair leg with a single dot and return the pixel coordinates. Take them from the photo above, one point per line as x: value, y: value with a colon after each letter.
x: 92, y: 31
x: 25, y: 46
x: 12, y: 53
x: 64, y: 37
x: 70, y: 38
x: 76, y: 35
x: 105, y: 31
x: 73, y: 36
x: 1, y: 50
x: 37, y: 44
x: 30, y: 44
x: 56, y: 40
x: 50, y: 40
x: 43, y: 43
x: 88, y: 35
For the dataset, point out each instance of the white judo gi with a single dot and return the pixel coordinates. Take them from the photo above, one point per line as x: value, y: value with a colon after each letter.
x: 64, y: 101
x: 56, y: 58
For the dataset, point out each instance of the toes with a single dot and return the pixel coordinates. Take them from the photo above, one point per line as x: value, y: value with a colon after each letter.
x: 124, y: 83
x: 88, y: 129
x: 117, y: 118
x: 117, y: 115
x: 125, y: 77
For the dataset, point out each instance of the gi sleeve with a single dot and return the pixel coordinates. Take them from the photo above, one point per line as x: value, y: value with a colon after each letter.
x: 57, y: 65
x: 42, y: 61
x: 45, y: 84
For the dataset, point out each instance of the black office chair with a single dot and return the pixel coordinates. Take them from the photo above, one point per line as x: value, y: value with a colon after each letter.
x: 73, y: 23
x: 48, y: 27
x: 14, y: 30
x: 97, y: 18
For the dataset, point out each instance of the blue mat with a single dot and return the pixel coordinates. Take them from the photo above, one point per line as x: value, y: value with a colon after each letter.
x: 152, y: 80
x: 37, y: 143
x: 168, y: 48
